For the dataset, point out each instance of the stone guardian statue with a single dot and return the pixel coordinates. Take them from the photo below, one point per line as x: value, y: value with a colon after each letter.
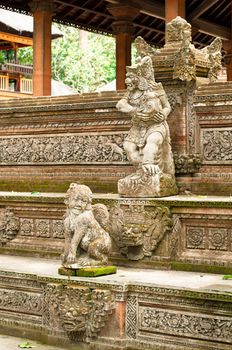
x: 87, y: 243
x: 148, y: 142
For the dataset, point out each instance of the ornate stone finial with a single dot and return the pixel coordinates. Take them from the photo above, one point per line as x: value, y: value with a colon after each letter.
x: 143, y: 48
x: 213, y: 53
x: 86, y: 241
x: 148, y: 143
x: 178, y: 30
x: 180, y: 56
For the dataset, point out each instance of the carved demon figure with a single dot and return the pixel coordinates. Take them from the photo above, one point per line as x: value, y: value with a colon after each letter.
x: 86, y: 241
x: 148, y: 143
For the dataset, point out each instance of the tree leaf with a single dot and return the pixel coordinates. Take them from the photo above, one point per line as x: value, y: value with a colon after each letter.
x: 25, y: 345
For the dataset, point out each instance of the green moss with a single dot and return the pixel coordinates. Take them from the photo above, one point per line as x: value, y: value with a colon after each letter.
x: 54, y: 186
x: 87, y: 271
x: 201, y: 268
x: 96, y: 271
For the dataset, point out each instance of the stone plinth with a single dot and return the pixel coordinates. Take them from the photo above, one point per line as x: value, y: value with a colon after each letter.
x: 136, y: 309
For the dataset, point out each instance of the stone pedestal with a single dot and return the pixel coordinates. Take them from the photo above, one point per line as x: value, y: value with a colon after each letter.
x: 142, y: 185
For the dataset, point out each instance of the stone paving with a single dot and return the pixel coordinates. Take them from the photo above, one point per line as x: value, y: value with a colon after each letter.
x: 12, y: 343
x: 166, y: 278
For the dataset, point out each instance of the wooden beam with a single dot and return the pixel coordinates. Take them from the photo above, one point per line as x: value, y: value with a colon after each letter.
x: 149, y: 7
x: 203, y: 7
x: 16, y: 39
x: 212, y: 29
x: 83, y: 9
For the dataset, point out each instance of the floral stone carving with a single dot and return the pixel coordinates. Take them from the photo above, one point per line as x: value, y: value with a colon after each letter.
x: 148, y: 142
x: 86, y: 241
x: 78, y: 310
x: 138, y: 232
x: 9, y: 225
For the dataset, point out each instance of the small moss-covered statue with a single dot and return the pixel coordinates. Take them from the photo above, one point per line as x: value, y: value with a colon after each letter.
x: 86, y: 241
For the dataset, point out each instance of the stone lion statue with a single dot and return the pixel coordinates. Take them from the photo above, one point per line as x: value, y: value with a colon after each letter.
x: 86, y: 241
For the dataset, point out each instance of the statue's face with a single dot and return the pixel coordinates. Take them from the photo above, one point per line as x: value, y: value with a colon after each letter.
x: 78, y: 204
x: 132, y: 82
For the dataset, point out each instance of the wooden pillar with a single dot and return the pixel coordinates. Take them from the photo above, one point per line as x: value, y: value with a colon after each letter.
x: 123, y: 28
x: 174, y: 8
x: 42, y: 12
x: 227, y: 46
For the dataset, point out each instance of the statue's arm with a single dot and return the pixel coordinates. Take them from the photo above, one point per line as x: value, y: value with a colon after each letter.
x: 166, y: 105
x: 124, y: 106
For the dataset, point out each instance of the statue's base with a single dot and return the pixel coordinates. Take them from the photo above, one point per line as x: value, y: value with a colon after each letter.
x: 87, y: 271
x: 137, y: 185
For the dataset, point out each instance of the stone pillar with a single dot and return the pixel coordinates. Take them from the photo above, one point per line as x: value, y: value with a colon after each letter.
x: 174, y: 8
x: 42, y: 12
x: 123, y: 28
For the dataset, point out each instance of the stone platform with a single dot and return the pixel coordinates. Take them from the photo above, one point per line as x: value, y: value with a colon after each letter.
x: 133, y: 309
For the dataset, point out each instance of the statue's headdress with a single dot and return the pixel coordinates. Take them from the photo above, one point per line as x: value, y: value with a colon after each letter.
x: 143, y: 69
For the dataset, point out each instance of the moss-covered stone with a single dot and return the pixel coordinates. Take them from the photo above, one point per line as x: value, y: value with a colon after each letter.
x: 96, y: 271
x: 181, y: 266
x: 87, y: 271
x: 30, y: 185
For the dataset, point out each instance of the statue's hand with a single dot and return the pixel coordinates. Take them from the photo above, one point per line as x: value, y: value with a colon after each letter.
x: 143, y: 116
x: 124, y: 106
x: 151, y: 169
x: 71, y: 258
x: 159, y: 117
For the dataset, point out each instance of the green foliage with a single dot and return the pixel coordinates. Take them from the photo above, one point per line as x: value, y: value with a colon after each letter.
x: 82, y: 64
x: 2, y: 57
x: 227, y: 277
x: 25, y: 55
x: 25, y: 345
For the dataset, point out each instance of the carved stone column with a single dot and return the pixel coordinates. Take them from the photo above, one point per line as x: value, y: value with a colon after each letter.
x: 123, y: 29
x: 42, y: 12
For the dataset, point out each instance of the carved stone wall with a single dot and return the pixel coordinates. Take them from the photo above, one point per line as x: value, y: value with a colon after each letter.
x: 191, y: 229
x: 213, y: 108
x: 174, y: 317
x: 204, y: 237
x: 72, y: 132
x: 78, y: 311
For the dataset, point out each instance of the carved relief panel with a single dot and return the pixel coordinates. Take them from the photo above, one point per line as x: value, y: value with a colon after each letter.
x: 79, y: 311
x: 216, y: 145
x: 201, y: 236
x: 138, y: 230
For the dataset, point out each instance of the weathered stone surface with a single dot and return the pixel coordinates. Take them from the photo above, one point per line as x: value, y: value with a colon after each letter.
x: 148, y: 143
x: 86, y: 241
x: 132, y: 309
x: 179, y: 59
x: 145, y: 232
